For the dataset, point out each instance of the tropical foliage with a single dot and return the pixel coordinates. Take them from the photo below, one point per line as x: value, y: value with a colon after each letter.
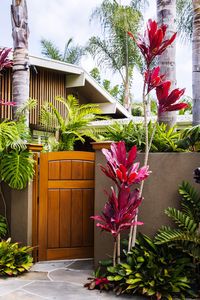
x: 5, y: 62
x: 154, y: 271
x: 3, y: 227
x: 164, y: 139
x: 72, y: 53
x: 187, y: 236
x: 120, y: 210
x: 14, y: 260
x: 114, y: 50
x: 185, y: 18
x: 16, y: 163
x: 73, y: 126
x: 190, y: 138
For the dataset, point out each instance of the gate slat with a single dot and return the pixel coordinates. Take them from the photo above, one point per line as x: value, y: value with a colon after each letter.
x: 65, y: 218
x: 53, y: 213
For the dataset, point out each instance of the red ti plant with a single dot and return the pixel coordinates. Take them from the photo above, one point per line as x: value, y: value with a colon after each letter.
x: 121, y: 207
x: 152, y: 44
x: 5, y: 62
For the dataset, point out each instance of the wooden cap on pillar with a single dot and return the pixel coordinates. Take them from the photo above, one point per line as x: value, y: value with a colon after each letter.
x: 101, y: 145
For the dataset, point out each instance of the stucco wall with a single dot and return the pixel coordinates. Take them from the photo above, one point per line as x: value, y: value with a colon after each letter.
x: 160, y: 192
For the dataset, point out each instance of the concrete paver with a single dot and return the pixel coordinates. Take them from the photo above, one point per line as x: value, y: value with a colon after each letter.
x: 55, y: 280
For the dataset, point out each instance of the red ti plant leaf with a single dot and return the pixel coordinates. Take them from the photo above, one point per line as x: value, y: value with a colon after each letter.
x: 153, y: 42
x: 6, y: 103
x: 119, y: 211
x: 153, y: 78
x: 121, y: 167
x: 167, y: 101
x: 4, y: 61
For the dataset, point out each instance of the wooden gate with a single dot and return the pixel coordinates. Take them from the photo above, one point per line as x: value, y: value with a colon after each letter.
x: 66, y: 202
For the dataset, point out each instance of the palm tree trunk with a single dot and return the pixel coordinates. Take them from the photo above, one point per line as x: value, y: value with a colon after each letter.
x: 20, y: 33
x: 166, y: 14
x: 127, y: 102
x: 196, y: 62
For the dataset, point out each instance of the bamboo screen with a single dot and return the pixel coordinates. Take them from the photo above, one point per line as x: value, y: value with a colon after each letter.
x: 45, y: 85
x: 5, y: 94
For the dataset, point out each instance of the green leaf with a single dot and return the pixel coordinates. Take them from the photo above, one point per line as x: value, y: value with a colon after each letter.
x: 17, y: 169
x: 133, y: 281
x: 111, y: 269
x: 111, y: 278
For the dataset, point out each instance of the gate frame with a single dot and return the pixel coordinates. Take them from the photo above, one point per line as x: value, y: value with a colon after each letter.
x: 43, y: 186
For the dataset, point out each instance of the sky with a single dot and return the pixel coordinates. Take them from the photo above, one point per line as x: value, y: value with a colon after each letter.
x: 58, y: 20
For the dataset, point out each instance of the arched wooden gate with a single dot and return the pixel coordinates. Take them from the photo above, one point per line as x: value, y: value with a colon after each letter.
x: 66, y: 202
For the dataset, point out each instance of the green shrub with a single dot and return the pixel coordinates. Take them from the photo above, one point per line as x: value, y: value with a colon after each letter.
x: 190, y: 138
x: 187, y: 235
x: 159, y: 272
x: 165, y: 140
x: 14, y: 260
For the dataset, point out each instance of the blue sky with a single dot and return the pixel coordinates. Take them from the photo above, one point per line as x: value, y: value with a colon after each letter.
x: 58, y: 20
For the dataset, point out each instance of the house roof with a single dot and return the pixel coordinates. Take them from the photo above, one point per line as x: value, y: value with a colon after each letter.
x: 77, y: 77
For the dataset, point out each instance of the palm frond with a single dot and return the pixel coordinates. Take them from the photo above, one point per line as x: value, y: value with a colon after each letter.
x: 47, y: 118
x: 185, y: 19
x: 50, y: 50
x: 29, y: 105
x: 73, y: 125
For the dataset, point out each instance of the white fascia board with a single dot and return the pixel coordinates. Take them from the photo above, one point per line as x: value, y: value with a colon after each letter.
x: 99, y: 88
x: 123, y: 110
x: 103, y: 92
x: 107, y: 108
x: 55, y: 65
x: 74, y: 80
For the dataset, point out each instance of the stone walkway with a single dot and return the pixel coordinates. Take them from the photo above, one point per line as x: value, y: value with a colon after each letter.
x: 60, y: 280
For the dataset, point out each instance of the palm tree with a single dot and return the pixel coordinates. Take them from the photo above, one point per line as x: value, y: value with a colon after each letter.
x: 166, y: 14
x: 20, y: 33
x: 72, y: 53
x: 196, y: 62
x: 115, y: 50
x: 189, y: 24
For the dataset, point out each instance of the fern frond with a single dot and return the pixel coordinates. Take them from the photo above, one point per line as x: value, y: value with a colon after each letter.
x: 190, y: 201
x: 47, y: 118
x: 8, y: 134
x: 166, y: 235
x: 29, y: 105
x: 184, y: 221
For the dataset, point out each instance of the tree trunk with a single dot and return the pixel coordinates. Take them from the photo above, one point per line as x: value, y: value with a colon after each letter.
x: 20, y: 33
x: 127, y: 98
x: 166, y: 14
x: 196, y: 62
